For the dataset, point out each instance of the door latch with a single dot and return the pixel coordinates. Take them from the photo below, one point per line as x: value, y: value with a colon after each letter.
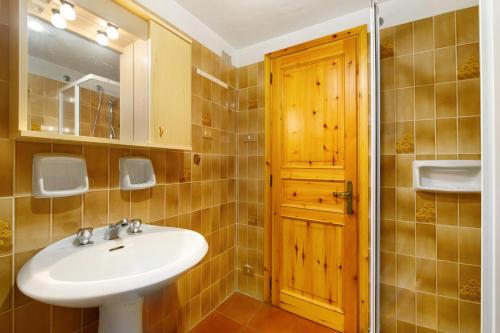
x: 347, y: 195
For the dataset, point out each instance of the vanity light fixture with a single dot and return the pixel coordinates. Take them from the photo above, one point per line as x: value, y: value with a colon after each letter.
x: 112, y: 31
x: 35, y: 26
x: 57, y: 20
x: 67, y: 10
x: 101, y: 38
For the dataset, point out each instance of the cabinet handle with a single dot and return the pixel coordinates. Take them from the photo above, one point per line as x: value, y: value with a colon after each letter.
x: 161, y: 130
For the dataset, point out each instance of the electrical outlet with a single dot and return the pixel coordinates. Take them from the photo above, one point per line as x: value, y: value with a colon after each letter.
x: 248, y: 270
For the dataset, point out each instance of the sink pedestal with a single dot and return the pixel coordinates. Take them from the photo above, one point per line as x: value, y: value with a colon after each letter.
x: 120, y: 317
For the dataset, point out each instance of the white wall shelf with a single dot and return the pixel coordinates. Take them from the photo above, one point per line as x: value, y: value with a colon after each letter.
x: 136, y: 173
x: 59, y: 175
x: 447, y: 176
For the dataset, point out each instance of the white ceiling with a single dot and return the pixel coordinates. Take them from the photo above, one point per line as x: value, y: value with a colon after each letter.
x: 245, y: 22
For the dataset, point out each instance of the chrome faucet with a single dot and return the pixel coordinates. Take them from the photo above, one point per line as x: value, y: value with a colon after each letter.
x: 113, y: 230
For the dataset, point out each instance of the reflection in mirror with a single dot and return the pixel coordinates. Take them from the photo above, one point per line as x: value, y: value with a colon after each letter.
x: 74, y: 71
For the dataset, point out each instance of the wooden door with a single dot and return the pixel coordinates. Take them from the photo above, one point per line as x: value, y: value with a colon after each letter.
x: 314, y: 152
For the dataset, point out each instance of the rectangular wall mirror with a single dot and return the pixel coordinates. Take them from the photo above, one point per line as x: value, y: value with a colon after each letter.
x: 80, y: 70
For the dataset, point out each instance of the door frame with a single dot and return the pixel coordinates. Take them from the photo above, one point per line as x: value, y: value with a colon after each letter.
x: 363, y: 165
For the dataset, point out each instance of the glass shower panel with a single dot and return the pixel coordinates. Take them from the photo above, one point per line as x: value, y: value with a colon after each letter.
x: 429, y: 245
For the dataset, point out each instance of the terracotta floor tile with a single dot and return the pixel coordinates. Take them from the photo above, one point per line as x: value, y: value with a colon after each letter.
x: 270, y: 319
x: 302, y: 325
x: 217, y: 323
x: 249, y: 330
x: 240, y: 308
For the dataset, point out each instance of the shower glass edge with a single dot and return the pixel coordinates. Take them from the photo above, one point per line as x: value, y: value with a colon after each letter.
x: 375, y: 168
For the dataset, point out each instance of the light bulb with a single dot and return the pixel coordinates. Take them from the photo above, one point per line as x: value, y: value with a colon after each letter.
x: 57, y: 20
x: 101, y: 38
x: 67, y: 10
x: 35, y: 25
x: 112, y: 31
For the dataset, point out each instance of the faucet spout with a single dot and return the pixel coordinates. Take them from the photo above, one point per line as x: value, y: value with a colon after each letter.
x: 113, y: 230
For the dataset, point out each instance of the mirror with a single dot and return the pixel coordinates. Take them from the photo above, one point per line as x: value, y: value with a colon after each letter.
x: 76, y: 62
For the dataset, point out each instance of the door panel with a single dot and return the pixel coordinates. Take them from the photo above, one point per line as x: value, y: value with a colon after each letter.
x: 314, y: 154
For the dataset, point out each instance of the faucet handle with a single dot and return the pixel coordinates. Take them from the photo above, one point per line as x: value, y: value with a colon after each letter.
x: 122, y: 223
x: 83, y: 236
x: 135, y: 226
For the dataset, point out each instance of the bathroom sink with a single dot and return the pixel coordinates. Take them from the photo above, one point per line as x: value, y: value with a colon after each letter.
x: 112, y: 274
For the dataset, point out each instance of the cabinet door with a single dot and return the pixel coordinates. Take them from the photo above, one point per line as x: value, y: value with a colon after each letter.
x: 170, y: 122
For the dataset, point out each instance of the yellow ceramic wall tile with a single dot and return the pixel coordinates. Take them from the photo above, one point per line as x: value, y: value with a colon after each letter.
x: 425, y: 207
x: 424, y: 102
x: 425, y: 243
x: 404, y: 176
x: 387, y: 170
x: 447, y: 242
x: 446, y: 136
x: 388, y: 235
x: 469, y: 138
x: 424, y: 68
x: 64, y: 319
x: 6, y: 168
x: 470, y: 283
x: 32, y: 224
x: 119, y: 205
x: 426, y: 275
x: 469, y: 97
x: 404, y: 71
x: 468, y: 25
x: 445, y: 60
x: 387, y: 73
x: 470, y: 245
x: 470, y: 317
x: 405, y: 137
x: 423, y: 34
x: 157, y: 203
x: 426, y: 310
x: 33, y: 317
x: 5, y: 283
x: 468, y: 61
x: 66, y: 216
x: 447, y: 208
x: 446, y: 100
x: 447, y: 314
x: 95, y: 209
x: 405, y: 238
x: 403, y: 38
x: 406, y: 307
x: 97, y: 166
x: 24, y: 157
x: 388, y: 203
x: 405, y: 103
x: 447, y: 279
x: 424, y: 137
x: 444, y: 30
x: 388, y: 106
x: 470, y: 209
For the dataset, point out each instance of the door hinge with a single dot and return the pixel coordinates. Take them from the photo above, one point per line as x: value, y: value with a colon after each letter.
x: 271, y: 180
x: 271, y: 78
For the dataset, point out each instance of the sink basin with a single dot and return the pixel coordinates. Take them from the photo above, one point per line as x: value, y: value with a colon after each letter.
x: 111, y: 274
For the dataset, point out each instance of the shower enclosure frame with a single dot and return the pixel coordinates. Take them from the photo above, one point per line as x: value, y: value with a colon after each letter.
x: 76, y: 85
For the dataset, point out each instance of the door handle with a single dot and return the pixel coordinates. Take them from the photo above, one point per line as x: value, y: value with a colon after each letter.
x: 347, y: 195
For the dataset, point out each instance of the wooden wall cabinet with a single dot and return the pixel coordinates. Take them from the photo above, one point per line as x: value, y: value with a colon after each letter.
x: 170, y: 88
x: 155, y: 80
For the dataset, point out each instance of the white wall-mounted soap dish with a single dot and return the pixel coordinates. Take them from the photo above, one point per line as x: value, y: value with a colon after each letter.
x: 136, y: 173
x: 447, y: 176
x: 59, y: 175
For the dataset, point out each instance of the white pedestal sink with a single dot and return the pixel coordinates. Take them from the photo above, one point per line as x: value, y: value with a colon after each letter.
x: 111, y: 274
